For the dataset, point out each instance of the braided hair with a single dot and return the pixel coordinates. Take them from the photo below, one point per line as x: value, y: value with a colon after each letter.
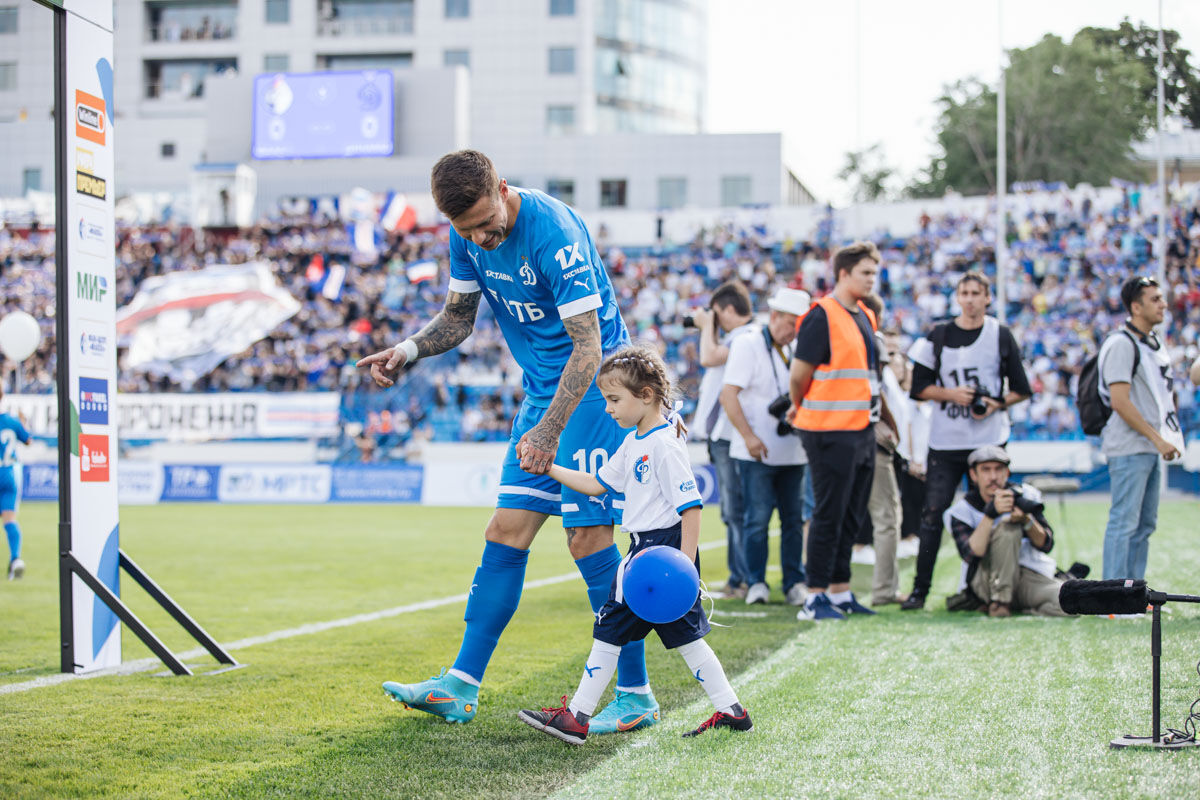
x: 639, y: 368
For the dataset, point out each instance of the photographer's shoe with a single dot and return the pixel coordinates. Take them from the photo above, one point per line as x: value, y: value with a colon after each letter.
x: 758, y: 593
x: 852, y: 606
x: 818, y: 608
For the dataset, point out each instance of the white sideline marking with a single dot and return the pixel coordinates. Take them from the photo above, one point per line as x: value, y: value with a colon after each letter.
x: 147, y: 664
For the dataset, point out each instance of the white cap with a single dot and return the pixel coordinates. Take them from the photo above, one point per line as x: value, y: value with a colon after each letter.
x: 791, y: 301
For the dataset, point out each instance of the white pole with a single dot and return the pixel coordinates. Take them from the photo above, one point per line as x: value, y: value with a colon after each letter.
x: 858, y: 143
x: 1161, y: 244
x: 1001, y: 180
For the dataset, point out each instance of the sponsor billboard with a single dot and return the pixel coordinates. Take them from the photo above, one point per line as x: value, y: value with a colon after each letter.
x: 89, y: 310
x: 189, y: 417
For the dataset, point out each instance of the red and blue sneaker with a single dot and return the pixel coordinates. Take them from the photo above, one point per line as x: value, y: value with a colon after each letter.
x: 557, y: 722
x: 737, y: 721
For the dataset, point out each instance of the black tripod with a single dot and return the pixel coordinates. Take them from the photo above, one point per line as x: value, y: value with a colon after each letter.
x: 1157, y: 742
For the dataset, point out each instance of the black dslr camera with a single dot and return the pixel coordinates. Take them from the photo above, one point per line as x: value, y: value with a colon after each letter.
x: 778, y: 409
x: 1028, y: 505
x: 978, y: 405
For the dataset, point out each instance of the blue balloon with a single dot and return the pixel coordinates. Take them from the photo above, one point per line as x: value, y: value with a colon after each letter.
x: 660, y: 584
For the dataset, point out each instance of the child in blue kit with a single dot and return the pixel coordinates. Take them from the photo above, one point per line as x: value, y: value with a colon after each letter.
x: 662, y: 507
x: 11, y: 431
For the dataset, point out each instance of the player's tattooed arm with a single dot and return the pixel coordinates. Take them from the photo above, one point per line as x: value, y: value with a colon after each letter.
x: 538, y: 447
x: 450, y: 327
x: 447, y: 330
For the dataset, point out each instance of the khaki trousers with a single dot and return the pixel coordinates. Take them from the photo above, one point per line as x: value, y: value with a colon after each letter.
x: 999, y: 578
x: 884, y: 508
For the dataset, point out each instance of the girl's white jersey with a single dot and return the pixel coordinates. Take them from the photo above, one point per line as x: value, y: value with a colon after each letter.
x: 655, y: 474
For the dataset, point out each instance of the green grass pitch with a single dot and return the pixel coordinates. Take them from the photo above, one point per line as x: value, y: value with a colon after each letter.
x: 903, y: 705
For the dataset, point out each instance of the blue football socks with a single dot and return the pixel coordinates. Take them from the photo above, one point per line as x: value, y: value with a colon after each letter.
x: 598, y: 571
x: 495, y: 593
x: 13, y: 531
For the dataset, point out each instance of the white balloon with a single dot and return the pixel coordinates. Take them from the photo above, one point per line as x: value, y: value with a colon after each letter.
x: 19, y: 335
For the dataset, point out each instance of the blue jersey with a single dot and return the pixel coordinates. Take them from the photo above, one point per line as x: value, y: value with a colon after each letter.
x: 545, y: 271
x: 11, y: 431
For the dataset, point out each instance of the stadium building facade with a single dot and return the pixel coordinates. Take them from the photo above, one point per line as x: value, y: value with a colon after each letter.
x: 600, y: 102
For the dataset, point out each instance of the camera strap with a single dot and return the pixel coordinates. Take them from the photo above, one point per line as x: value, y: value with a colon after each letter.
x: 783, y: 355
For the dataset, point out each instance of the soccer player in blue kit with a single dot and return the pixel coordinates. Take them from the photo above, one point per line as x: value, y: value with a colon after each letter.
x: 11, y: 431
x: 533, y: 259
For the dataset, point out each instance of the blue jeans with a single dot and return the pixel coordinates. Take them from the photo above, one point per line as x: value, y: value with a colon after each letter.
x: 729, y: 488
x: 1133, y: 516
x: 765, y: 488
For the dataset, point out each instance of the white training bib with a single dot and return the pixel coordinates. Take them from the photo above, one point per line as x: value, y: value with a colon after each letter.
x: 952, y: 426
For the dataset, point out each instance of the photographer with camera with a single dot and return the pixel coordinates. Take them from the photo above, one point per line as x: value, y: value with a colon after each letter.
x: 770, y: 459
x: 729, y: 314
x: 1002, y: 534
x: 963, y: 366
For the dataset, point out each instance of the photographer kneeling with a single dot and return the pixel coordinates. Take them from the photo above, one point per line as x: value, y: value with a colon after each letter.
x: 1002, y: 534
x: 770, y: 458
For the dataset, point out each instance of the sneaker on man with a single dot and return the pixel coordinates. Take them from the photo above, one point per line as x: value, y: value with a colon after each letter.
x: 797, y: 594
x: 738, y: 721
x: 758, y: 593
x: 863, y: 555
x: 739, y: 591
x: 908, y: 547
x: 443, y: 695
x: 852, y: 606
x: 557, y: 722
x: 628, y: 711
x: 818, y: 608
x: 16, y: 569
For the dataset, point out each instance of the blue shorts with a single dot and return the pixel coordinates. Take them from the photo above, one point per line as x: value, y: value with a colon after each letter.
x: 616, y: 624
x: 591, y: 436
x: 10, y: 488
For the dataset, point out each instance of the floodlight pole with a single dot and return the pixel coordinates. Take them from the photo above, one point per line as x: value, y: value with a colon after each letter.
x: 1001, y: 249
x: 1162, y: 180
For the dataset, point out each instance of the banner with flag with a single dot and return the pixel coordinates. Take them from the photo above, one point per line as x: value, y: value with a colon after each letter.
x: 184, y: 324
x: 424, y: 270
x: 396, y: 215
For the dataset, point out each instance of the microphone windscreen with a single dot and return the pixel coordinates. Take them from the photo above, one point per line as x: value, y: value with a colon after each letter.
x: 1104, y: 597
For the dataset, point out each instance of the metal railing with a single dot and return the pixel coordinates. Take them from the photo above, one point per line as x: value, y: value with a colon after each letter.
x: 364, y: 26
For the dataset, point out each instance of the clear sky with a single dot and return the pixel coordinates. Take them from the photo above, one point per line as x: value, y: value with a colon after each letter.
x: 791, y: 66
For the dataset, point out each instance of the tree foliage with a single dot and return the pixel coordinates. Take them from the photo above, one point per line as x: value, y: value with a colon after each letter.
x: 1073, y: 110
x: 868, y: 174
x: 1181, y: 83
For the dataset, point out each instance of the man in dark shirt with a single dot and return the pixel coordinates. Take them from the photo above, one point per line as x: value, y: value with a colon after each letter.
x: 1002, y: 534
x: 971, y: 369
x: 835, y: 388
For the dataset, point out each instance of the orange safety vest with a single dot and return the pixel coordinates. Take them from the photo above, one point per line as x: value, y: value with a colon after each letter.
x: 839, y: 396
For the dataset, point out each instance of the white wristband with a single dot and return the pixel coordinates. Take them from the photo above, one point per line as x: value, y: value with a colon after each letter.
x: 410, y: 350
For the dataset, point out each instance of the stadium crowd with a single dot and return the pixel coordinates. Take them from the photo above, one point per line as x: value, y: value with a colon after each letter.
x: 1070, y: 259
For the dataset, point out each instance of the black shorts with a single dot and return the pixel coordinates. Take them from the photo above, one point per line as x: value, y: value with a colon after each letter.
x: 616, y: 623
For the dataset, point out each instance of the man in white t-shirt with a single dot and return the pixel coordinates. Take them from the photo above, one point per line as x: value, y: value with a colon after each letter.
x: 728, y: 315
x: 1143, y: 430
x: 770, y: 459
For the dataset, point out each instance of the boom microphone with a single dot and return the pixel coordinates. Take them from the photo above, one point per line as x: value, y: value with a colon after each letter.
x: 1104, y: 597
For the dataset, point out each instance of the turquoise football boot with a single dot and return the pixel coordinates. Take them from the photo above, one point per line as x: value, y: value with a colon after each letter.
x: 443, y: 695
x: 627, y: 712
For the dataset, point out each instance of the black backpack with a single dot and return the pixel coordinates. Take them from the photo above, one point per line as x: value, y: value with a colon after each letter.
x: 1093, y: 411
